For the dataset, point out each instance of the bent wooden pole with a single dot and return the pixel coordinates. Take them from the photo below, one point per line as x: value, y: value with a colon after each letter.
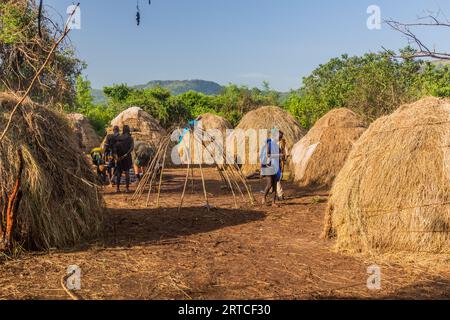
x: 13, y: 205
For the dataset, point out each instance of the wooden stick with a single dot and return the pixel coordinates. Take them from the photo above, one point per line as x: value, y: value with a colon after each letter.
x: 238, y: 171
x: 204, y: 185
x: 147, y: 175
x: 2, y: 214
x: 161, y: 176
x: 155, y: 171
x: 13, y: 204
x: 192, y: 179
x: 225, y: 179
x: 236, y: 183
x: 72, y: 294
x: 191, y: 160
x: 184, y: 187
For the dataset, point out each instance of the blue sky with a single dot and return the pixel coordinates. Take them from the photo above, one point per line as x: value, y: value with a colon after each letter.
x: 239, y: 41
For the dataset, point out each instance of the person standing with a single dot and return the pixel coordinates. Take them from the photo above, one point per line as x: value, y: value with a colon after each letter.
x: 270, y: 169
x: 143, y: 154
x: 283, y: 159
x: 110, y: 143
x: 123, y: 149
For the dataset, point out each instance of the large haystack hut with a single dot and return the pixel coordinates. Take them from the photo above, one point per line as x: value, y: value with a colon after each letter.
x: 143, y: 126
x: 264, y: 118
x: 393, y: 193
x: 87, y: 137
x: 54, y: 201
x: 321, y: 153
x: 210, y: 126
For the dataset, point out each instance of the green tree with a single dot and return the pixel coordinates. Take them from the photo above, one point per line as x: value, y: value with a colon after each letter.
x: 83, y: 98
x: 99, y: 115
x: 196, y: 103
x: 23, y: 49
x: 118, y: 93
x: 373, y: 85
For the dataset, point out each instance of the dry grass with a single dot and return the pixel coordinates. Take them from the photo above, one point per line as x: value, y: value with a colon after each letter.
x: 393, y: 193
x: 318, y: 156
x: 222, y: 254
x: 89, y: 137
x: 143, y: 126
x: 268, y: 118
x: 60, y: 203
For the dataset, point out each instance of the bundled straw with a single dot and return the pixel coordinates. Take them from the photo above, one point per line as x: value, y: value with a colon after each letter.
x: 267, y: 118
x: 318, y: 156
x: 144, y: 127
x: 393, y: 193
x: 88, y: 137
x: 60, y: 204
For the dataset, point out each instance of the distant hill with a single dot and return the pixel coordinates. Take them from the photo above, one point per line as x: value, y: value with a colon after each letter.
x: 181, y: 86
x: 98, y: 95
x: 175, y: 87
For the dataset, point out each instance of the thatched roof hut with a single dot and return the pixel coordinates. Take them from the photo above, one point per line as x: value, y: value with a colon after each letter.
x: 208, y: 121
x: 266, y: 118
x: 321, y: 153
x: 86, y: 134
x: 143, y: 126
x: 393, y: 193
x: 59, y: 204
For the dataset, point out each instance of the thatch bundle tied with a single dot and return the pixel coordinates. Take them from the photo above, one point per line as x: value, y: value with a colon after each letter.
x: 393, y: 192
x: 59, y: 202
x: 321, y: 153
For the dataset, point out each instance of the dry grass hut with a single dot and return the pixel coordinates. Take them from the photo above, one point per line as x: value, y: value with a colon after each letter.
x: 208, y: 121
x: 143, y: 126
x: 57, y: 203
x: 265, y: 118
x: 393, y: 193
x: 321, y: 153
x: 86, y: 134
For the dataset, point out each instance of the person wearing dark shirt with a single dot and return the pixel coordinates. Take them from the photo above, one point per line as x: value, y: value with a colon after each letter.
x: 122, y: 149
x: 143, y: 154
x: 110, y: 142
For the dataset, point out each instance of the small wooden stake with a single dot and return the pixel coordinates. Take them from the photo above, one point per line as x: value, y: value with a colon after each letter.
x: 13, y: 204
x: 204, y: 185
x: 161, y: 176
x: 184, y: 187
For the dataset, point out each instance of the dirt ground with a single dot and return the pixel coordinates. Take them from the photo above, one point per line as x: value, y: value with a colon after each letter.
x: 257, y: 252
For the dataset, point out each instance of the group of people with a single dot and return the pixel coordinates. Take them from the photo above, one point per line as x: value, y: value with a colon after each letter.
x: 273, y: 156
x: 116, y: 158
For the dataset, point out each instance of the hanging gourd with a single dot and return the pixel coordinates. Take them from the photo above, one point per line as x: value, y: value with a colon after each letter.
x: 138, y: 13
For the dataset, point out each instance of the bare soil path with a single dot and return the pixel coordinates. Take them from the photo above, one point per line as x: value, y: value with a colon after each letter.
x: 255, y: 252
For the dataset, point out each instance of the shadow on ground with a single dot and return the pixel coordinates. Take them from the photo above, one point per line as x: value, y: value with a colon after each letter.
x: 128, y: 227
x: 434, y: 288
